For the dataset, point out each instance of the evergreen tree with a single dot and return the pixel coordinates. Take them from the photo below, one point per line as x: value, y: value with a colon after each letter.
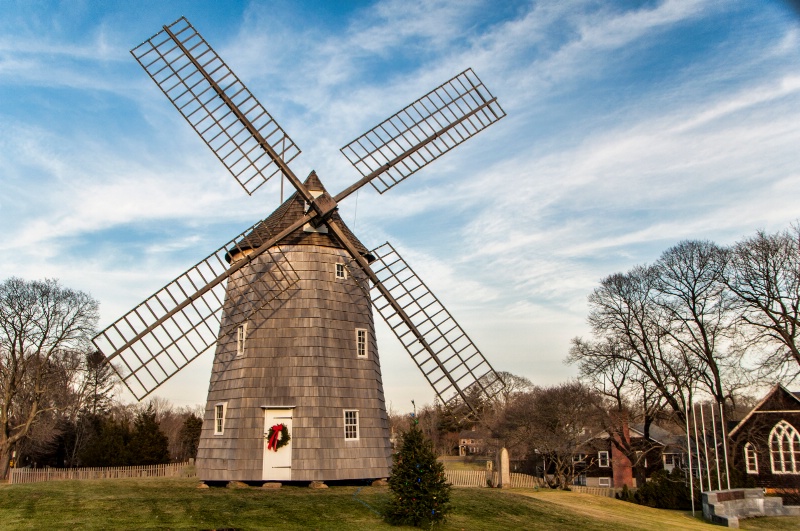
x: 107, y: 443
x: 189, y: 436
x: 420, y: 492
x: 99, y: 380
x: 148, y: 444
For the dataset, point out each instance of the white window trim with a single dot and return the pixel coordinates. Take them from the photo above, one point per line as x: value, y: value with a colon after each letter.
x: 340, y: 268
x: 241, y: 340
x: 750, y: 456
x: 357, y: 425
x: 601, y: 457
x: 781, y: 433
x: 362, y: 352
x: 601, y: 481
x: 219, y: 421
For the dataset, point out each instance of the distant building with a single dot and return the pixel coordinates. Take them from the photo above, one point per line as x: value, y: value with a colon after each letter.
x: 475, y: 442
x: 599, y: 462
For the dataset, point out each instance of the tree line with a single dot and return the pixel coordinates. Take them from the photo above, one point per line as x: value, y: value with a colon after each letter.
x: 704, y: 323
x: 57, y: 394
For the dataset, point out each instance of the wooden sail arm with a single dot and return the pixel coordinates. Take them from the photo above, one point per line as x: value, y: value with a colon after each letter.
x: 364, y: 265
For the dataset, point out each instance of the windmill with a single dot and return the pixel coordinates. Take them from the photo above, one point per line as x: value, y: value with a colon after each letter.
x: 296, y: 391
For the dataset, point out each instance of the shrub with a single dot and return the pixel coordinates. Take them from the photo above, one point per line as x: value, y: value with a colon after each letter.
x: 665, y: 491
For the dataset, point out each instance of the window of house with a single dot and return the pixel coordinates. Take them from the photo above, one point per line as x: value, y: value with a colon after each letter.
x: 361, y: 342
x: 602, y: 459
x: 784, y: 449
x: 341, y: 271
x: 219, y: 418
x: 241, y: 337
x: 350, y: 424
x: 604, y: 482
x: 577, y: 458
x: 750, y: 459
x: 580, y: 480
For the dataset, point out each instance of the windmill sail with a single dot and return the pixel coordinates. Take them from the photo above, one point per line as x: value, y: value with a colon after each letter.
x: 444, y: 353
x: 181, y: 321
x: 422, y: 132
x: 228, y: 118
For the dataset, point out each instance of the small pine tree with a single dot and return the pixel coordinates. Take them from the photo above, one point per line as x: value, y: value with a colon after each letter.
x: 420, y: 492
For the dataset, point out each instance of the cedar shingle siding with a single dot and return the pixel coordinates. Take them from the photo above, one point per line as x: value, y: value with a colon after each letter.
x: 301, y: 352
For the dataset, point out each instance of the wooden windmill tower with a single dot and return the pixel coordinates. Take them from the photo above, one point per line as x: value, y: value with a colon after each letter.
x: 287, y: 304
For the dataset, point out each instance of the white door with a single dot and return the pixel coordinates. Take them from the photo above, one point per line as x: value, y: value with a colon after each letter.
x: 277, y: 464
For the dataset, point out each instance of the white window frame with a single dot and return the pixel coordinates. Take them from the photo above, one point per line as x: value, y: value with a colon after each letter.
x: 220, y: 410
x: 340, y: 271
x: 362, y: 343
x: 351, y: 425
x: 602, y: 457
x: 750, y: 459
x: 604, y: 482
x: 578, y: 458
x: 784, y: 449
x: 241, y: 339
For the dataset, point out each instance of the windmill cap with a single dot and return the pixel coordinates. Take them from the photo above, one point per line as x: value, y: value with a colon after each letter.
x: 284, y: 216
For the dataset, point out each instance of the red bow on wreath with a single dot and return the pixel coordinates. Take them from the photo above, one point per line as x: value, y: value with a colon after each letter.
x: 276, y: 430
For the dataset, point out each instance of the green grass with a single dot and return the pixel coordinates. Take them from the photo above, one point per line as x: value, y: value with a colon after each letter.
x: 177, y: 504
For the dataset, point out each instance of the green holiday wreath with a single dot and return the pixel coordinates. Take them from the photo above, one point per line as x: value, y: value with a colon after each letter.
x: 278, y: 437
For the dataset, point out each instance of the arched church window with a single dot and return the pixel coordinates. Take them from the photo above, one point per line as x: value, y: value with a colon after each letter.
x: 784, y: 449
x: 750, y: 459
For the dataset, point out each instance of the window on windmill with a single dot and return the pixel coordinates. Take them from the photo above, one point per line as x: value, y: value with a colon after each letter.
x: 602, y: 459
x: 241, y: 338
x: 219, y: 419
x: 361, y: 342
x: 341, y: 271
x: 351, y: 424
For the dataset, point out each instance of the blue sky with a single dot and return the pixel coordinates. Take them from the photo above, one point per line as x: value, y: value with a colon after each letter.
x: 631, y: 126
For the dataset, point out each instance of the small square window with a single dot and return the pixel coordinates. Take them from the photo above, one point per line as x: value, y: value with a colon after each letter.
x: 602, y: 459
x: 351, y: 425
x: 604, y: 482
x: 219, y: 419
x: 341, y: 271
x: 241, y: 338
x: 361, y: 342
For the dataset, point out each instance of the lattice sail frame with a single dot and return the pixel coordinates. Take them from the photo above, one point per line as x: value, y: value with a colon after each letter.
x: 182, y: 320
x: 198, y: 83
x: 448, y: 358
x: 424, y: 131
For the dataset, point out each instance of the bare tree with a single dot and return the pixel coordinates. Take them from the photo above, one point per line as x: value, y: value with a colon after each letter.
x: 764, y: 274
x: 627, y: 397
x: 552, y: 423
x: 698, y: 316
x: 624, y: 310
x: 42, y: 328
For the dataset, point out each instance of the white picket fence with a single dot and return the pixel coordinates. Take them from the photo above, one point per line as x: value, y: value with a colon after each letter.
x: 480, y: 478
x: 171, y: 470
x: 596, y: 491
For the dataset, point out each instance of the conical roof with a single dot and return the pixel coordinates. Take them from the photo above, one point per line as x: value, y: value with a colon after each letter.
x: 289, y: 212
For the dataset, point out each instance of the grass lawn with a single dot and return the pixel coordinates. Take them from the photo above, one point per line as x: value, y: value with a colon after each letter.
x: 177, y: 504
